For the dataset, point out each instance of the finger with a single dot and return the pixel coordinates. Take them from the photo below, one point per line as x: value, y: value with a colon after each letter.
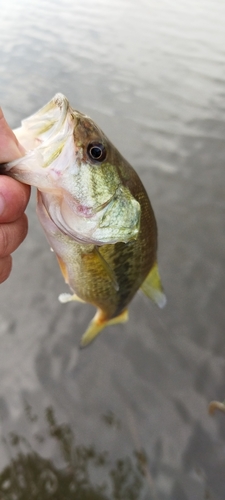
x: 14, y: 197
x: 5, y: 267
x: 9, y: 145
x: 12, y: 235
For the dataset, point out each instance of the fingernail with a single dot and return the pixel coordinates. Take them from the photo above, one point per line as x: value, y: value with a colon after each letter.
x: 2, y: 204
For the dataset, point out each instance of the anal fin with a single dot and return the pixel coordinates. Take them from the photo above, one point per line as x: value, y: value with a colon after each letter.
x: 152, y: 287
x: 98, y: 323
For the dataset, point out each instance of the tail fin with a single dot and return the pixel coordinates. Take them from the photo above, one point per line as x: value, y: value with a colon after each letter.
x: 98, y: 323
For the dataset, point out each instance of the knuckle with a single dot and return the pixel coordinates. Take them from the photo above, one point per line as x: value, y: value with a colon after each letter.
x: 23, y: 228
x: 12, y: 235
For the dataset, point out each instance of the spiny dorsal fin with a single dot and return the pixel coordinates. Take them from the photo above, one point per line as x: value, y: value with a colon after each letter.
x: 152, y: 287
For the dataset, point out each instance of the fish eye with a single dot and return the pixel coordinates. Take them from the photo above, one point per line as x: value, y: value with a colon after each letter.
x: 96, y: 151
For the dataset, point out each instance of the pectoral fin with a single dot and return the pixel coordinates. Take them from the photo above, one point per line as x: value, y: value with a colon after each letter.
x: 98, y: 323
x: 63, y: 269
x: 152, y: 287
x: 107, y: 268
x: 68, y: 297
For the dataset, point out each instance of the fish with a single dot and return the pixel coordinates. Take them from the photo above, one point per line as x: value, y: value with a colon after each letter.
x: 94, y: 210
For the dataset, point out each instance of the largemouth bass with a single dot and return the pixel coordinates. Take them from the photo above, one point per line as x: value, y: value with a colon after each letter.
x: 94, y: 210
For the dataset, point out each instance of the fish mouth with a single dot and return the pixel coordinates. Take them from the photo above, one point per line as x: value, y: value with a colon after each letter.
x: 49, y: 119
x: 47, y: 124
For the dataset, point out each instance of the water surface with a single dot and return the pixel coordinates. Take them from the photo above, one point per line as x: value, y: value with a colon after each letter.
x: 128, y: 417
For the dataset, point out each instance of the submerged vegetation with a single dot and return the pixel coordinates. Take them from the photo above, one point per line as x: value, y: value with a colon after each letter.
x: 31, y: 476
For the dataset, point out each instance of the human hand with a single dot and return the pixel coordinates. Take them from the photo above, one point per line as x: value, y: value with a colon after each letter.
x: 14, y: 197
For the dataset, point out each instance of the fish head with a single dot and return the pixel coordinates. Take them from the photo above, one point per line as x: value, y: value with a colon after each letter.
x: 77, y: 171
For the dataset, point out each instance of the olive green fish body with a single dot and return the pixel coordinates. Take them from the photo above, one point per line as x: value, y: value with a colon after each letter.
x: 109, y: 276
x: 94, y: 210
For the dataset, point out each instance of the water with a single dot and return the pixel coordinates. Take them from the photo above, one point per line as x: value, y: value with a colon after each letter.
x: 128, y: 417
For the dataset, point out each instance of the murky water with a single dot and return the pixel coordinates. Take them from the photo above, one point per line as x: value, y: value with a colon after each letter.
x: 128, y: 417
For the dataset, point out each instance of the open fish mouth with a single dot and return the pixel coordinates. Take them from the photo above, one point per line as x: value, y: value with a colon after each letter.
x: 46, y: 122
